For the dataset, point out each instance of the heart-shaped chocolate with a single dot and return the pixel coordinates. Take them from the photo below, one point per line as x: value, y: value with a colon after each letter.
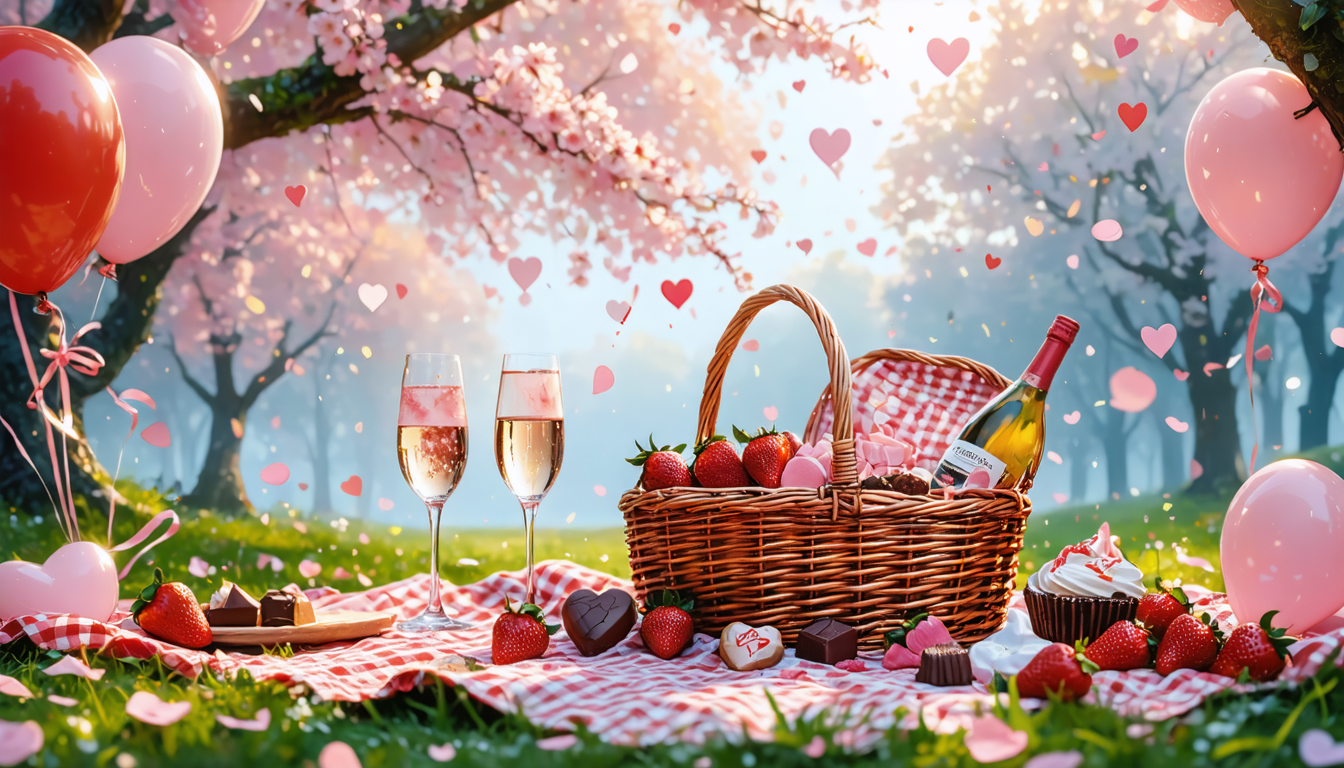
x: 597, y: 622
x: 745, y: 648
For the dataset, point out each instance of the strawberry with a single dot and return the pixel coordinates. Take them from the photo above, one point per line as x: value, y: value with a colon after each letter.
x: 765, y: 456
x: 663, y: 467
x: 1258, y: 649
x: 520, y: 634
x: 667, y: 627
x: 1158, y: 609
x: 794, y: 443
x: 1188, y: 644
x: 717, y: 465
x: 1124, y: 645
x: 1056, y: 669
x: 170, y: 612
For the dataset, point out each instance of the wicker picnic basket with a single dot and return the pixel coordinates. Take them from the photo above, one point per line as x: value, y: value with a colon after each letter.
x: 786, y: 557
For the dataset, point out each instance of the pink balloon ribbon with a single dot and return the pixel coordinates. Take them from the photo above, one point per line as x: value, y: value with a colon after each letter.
x: 143, y: 534
x: 130, y: 394
x: 1262, y: 288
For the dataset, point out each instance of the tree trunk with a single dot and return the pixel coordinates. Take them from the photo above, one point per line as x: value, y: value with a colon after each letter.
x: 1217, y: 441
x: 220, y: 486
x: 321, y: 453
x: 1116, y: 444
x: 1324, y: 359
x: 1314, y: 415
x: 1078, y: 466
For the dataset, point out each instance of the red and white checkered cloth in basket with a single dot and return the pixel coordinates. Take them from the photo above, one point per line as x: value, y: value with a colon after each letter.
x: 929, y: 404
x: 627, y: 695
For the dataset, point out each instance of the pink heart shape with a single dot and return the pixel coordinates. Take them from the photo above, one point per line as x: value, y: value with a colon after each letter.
x: 1072, y: 418
x: 19, y: 741
x: 338, y: 754
x: 803, y: 472
x: 1133, y: 115
x: 806, y: 246
x: 198, y: 567
x: 603, y: 379
x: 1177, y: 425
x: 148, y: 708
x: 1107, y: 230
x: 78, y: 579
x: 385, y: 505
x: 1132, y: 390
x: 677, y: 293
x: 296, y: 193
x: 990, y: 740
x: 1072, y: 261
x: 525, y: 273
x: 442, y: 753
x: 308, y: 569
x: 771, y: 412
x: 799, y: 85
x: 1180, y: 375
x: 275, y: 474
x: 157, y: 435
x: 618, y: 311
x: 868, y: 247
x: 948, y: 56
x: 830, y: 147
x: 354, y: 486
x: 1158, y: 340
x: 1319, y: 748
x: 1125, y: 45
x: 815, y: 748
x: 260, y: 723
x: 758, y: 155
x: 11, y: 687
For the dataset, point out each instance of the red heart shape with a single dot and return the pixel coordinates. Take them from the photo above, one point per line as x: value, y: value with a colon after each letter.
x: 1133, y: 115
x: 401, y: 291
x: 303, y: 486
x: 806, y: 245
x: 868, y: 247
x: 992, y: 262
x: 1125, y: 45
x: 678, y: 292
x: 295, y: 194
x: 799, y: 85
x: 354, y: 486
x: 758, y: 155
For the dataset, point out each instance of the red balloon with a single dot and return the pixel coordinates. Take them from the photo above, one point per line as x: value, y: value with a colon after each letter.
x: 61, y: 158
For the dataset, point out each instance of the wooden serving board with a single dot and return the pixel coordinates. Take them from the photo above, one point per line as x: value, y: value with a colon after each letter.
x: 330, y: 627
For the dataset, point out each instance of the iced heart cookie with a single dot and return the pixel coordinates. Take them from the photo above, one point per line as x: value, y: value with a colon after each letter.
x: 745, y: 648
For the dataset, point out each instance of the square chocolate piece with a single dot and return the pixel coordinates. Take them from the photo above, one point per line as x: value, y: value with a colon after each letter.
x: 827, y: 641
x: 285, y: 609
x: 233, y: 607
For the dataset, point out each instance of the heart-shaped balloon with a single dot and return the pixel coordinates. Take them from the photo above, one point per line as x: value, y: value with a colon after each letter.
x: 79, y: 579
x: 745, y: 648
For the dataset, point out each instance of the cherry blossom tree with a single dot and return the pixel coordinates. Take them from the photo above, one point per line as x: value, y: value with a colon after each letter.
x: 598, y: 123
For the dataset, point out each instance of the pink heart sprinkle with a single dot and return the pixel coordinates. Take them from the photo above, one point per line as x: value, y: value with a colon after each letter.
x: 443, y: 753
x: 799, y: 85
x: 11, y: 687
x: 525, y: 273
x: 990, y: 740
x: 1177, y: 425
x: 806, y: 246
x: 198, y: 567
x: 558, y: 743
x: 69, y: 665
x: 383, y: 504
x: 308, y: 569
x: 868, y: 247
x: 830, y: 147
x: 771, y: 412
x: 338, y: 754
x: 354, y: 486
x: 296, y: 193
x: 156, y: 434
x: 1072, y: 418
x: 148, y: 708
x: 603, y: 379
x: 275, y: 474
x: 260, y: 723
x: 19, y: 741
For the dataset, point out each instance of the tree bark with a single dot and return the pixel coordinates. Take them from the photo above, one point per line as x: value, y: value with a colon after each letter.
x: 1325, y: 361
x: 320, y: 450
x: 1078, y: 466
x: 1115, y: 442
x: 220, y: 487
x: 86, y: 23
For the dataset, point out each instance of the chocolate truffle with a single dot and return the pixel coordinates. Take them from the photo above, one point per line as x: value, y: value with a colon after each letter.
x: 827, y: 641
x: 232, y: 607
x: 596, y: 622
x: 284, y: 609
x: 944, y: 664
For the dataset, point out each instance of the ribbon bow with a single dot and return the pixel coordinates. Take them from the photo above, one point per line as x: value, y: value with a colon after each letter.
x: 1263, y: 289
x: 84, y: 359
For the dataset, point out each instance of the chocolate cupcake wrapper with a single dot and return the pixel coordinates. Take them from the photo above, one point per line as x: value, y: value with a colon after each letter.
x: 944, y: 667
x: 1067, y: 619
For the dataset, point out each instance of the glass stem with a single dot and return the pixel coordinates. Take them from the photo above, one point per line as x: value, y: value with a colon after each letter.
x: 435, y: 512
x: 529, y: 521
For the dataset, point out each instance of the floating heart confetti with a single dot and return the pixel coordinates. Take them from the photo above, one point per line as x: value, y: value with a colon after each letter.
x: 558, y: 743
x: 303, y: 486
x: 401, y: 291
x: 1319, y: 748
x: 751, y: 345
x: 990, y: 740
x: 830, y: 147
x: 11, y: 687
x: 600, y: 490
x: 1125, y: 45
x: 156, y: 434
x: 1072, y: 261
x: 868, y: 247
x: 198, y: 567
x: 1070, y: 759
x: 771, y: 413
x: 1180, y: 375
x: 338, y: 754
x: 991, y: 261
x: 806, y: 245
x: 1133, y: 115
x: 148, y: 708
x: 948, y: 56
x: 799, y: 85
x: 1072, y: 418
x: 1060, y: 498
x: 1158, y: 340
x: 1264, y: 353
x: 758, y: 155
x: 1099, y: 135
x: 618, y: 311
x: 1132, y: 390
x: 372, y: 296
x: 260, y: 723
x: 525, y: 273
x: 1176, y: 424
x: 19, y: 741
x: 677, y: 292
x: 1034, y: 226
x: 446, y: 752
x: 383, y: 504
x: 308, y: 569
x: 354, y: 486
x: 296, y: 193
x: 603, y: 379
x: 674, y: 28
x: 1107, y: 230
x: 275, y: 474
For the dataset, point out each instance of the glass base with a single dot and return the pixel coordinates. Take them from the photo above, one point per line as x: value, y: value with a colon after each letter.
x: 432, y: 621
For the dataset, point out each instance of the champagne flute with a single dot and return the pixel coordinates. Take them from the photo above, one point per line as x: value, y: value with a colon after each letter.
x: 529, y: 436
x: 432, y: 450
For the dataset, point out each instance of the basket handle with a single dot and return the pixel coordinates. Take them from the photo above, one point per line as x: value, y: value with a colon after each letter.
x: 844, y: 465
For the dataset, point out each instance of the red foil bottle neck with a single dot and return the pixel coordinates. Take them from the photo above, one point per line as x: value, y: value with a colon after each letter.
x: 1041, y: 373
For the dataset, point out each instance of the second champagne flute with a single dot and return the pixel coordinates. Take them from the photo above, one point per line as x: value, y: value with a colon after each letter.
x: 529, y: 436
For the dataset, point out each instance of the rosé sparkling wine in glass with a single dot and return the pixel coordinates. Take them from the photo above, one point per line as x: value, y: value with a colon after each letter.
x: 529, y: 436
x: 432, y: 451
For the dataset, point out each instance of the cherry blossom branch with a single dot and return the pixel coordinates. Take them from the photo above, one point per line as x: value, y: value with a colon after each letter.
x: 272, y: 372
x: 206, y: 396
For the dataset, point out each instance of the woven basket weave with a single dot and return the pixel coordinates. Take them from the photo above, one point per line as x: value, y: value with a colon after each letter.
x: 786, y: 557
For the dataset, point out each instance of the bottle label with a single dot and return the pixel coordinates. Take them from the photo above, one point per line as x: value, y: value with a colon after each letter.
x: 967, y: 465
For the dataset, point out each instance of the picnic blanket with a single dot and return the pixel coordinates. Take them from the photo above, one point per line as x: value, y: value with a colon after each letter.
x: 626, y: 695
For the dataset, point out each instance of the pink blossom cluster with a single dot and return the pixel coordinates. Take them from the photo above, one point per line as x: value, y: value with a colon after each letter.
x: 877, y: 454
x: 752, y: 33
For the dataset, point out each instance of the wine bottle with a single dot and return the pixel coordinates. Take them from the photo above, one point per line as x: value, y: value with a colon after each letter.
x: 1000, y: 447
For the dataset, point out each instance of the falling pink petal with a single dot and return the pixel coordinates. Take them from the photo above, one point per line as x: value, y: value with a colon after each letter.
x: 260, y: 723
x: 815, y: 748
x: 275, y: 474
x: 341, y: 573
x: 69, y: 665
x: 363, y: 538
x: 148, y: 708
x: 1098, y: 136
x: 1177, y: 425
x: 442, y: 753
x: 1264, y: 353
x: 1055, y: 457
x: 1209, y: 368
x: 300, y: 527
x: 308, y: 569
x: 275, y: 422
x: 19, y: 741
x: 1196, y: 469
x: 1071, y: 759
x: 603, y: 379
x: 1060, y: 498
x: 198, y: 567
x: 805, y: 245
x: 927, y: 634
x: 156, y: 434
x: 364, y: 580
x: 899, y: 657
x: 64, y: 701
x: 1193, y: 562
x: 990, y: 740
x: 385, y: 505
x: 11, y: 687
x: 751, y: 345
x: 558, y: 743
x: 338, y: 754
x: 771, y: 412
x: 600, y: 490
x: 1180, y: 375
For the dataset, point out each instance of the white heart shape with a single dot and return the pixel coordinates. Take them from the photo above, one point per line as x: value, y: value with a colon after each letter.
x: 745, y: 648
x: 78, y: 579
x: 373, y: 296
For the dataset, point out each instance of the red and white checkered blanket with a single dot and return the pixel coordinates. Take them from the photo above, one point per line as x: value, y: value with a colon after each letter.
x: 626, y: 695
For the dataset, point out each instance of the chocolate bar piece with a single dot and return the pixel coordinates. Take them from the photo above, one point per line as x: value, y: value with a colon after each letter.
x: 596, y: 622
x: 232, y: 607
x: 827, y: 641
x: 284, y: 609
x: 945, y: 664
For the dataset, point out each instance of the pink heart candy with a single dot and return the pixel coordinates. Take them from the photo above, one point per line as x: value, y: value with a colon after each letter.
x: 296, y: 193
x: 1158, y: 340
x: 148, y: 708
x: 19, y: 741
x: 770, y: 412
x: 78, y: 579
x: 948, y: 56
x: 803, y: 472
x: 868, y: 247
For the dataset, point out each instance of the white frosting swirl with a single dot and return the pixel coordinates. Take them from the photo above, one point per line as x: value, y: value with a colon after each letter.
x: 1093, y: 568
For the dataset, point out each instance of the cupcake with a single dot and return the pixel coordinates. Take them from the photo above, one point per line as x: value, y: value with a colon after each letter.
x: 1085, y: 590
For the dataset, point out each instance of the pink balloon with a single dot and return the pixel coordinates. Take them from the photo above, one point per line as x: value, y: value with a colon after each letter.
x: 1261, y: 177
x: 209, y: 26
x: 174, y: 138
x: 1213, y: 11
x: 1132, y: 390
x: 1281, y: 545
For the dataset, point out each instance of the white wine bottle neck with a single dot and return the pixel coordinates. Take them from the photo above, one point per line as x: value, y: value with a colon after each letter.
x: 1041, y: 373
